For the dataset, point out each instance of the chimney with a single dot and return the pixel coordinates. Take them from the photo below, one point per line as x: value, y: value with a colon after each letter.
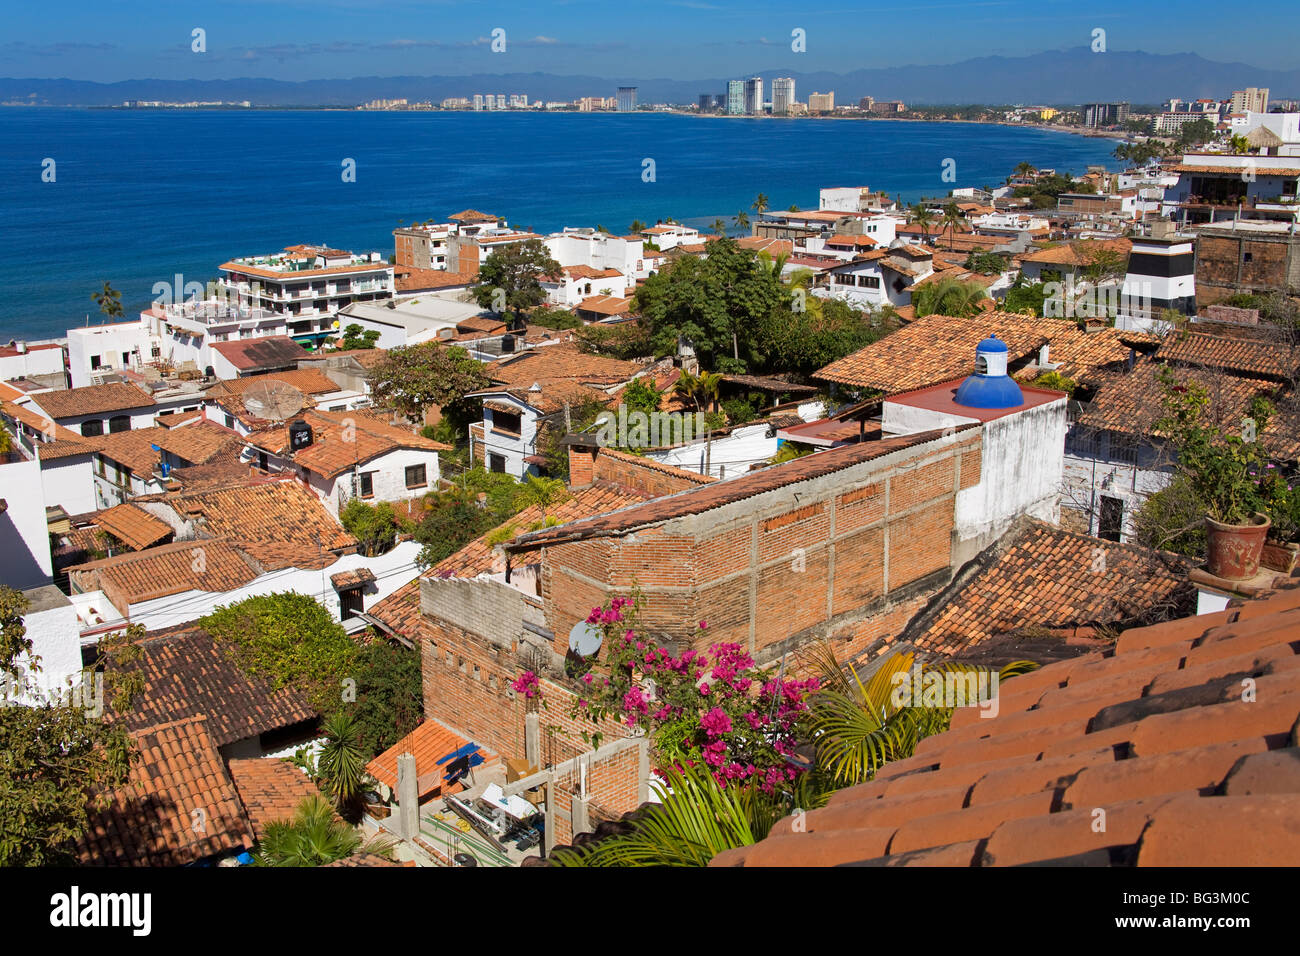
x: 408, y: 797
x: 1043, y: 353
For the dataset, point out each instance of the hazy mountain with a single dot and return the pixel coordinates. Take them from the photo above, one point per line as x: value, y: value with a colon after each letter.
x: 1053, y: 77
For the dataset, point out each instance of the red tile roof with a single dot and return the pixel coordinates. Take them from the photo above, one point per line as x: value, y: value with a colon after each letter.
x: 264, y: 354
x: 269, y: 790
x: 178, y: 805
x: 1156, y: 732
x: 92, y: 400
x: 342, y: 440
x: 133, y: 526
x: 1273, y: 359
x: 431, y: 743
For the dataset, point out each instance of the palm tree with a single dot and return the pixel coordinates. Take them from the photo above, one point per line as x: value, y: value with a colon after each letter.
x: 719, y: 227
x: 698, y: 388
x: 741, y: 219
x: 695, y: 820
x: 637, y: 226
x: 759, y: 205
x: 923, y: 218
x: 1023, y: 169
x: 948, y: 295
x: 952, y: 218
x: 109, y: 301
x: 793, y: 208
x: 542, y: 492
x: 858, y: 727
x: 709, y: 385
x: 314, y: 836
x: 1238, y: 144
x: 342, y: 763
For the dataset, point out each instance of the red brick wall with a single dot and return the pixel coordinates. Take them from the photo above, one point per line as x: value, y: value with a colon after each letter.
x: 764, y: 579
x: 641, y: 474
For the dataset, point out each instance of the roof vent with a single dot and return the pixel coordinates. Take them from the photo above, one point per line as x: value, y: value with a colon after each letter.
x: 990, y: 386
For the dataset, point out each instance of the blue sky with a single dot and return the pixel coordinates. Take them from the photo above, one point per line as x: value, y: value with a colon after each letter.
x: 316, y: 39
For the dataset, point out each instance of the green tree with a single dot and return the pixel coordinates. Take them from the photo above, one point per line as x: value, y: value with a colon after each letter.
x: 289, y: 639
x: 741, y: 219
x: 760, y: 204
x: 549, y: 318
x: 1195, y: 133
x: 109, y: 301
x: 390, y: 697
x: 948, y: 296
x: 641, y: 396
x: 1024, y: 297
x: 719, y: 227
x: 986, y: 263
x: 510, y: 277
x: 921, y: 216
x: 952, y: 219
x: 637, y: 226
x: 315, y: 836
x: 57, y: 762
x: 355, y: 337
x: 375, y: 528
x: 412, y: 378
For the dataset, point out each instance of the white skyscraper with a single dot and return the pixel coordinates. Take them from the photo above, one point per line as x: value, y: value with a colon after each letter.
x: 782, y: 94
x: 754, y: 96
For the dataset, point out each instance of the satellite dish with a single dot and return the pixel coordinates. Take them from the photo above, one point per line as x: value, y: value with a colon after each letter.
x: 273, y: 400
x: 584, y: 639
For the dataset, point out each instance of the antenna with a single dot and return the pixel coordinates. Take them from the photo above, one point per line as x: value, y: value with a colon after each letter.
x: 273, y: 400
x: 584, y: 639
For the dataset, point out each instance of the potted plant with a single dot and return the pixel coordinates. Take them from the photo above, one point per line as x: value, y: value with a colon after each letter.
x: 1281, y: 496
x: 1222, y: 466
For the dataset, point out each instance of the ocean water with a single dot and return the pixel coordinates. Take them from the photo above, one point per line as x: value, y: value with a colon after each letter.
x: 141, y: 196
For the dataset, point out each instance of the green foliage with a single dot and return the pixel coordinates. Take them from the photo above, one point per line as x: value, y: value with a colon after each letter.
x: 315, y: 837
x: 826, y: 330
x: 290, y: 640
x: 516, y: 270
x: 582, y: 418
x: 56, y: 761
x: 375, y: 528
x: 789, y: 451
x: 624, y: 340
x: 457, y: 516
x: 109, y: 301
x: 641, y: 396
x: 700, y: 389
x: 1025, y: 297
x: 1172, y: 519
x: 695, y: 820
x: 948, y: 296
x: 1057, y: 382
x: 1221, y: 465
x: 1195, y: 133
x: 858, y: 727
x: 739, y: 410
x: 549, y: 318
x: 355, y: 337
x: 986, y: 263
x: 411, y: 378
x: 1140, y: 154
x: 341, y: 761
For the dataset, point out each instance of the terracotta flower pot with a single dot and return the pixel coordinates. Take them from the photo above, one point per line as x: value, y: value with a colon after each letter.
x: 1235, y: 549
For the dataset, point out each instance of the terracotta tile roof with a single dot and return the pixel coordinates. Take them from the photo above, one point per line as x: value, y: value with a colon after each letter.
x: 65, y: 438
x: 720, y: 493
x: 481, y: 323
x: 1048, y: 579
x: 276, y: 522
x: 187, y: 674
x: 1250, y: 356
x: 939, y: 348
x: 583, y: 271
x: 1132, y: 402
x: 269, y: 790
x: 650, y: 464
x: 1237, y: 170
x: 92, y: 400
x: 1077, y: 253
x: 472, y: 215
x: 178, y: 805
x: 165, y: 570
x: 550, y: 397
x: 431, y: 743
x: 357, y: 577
x: 605, y: 304
x: 414, y: 280
x: 263, y: 354
x: 773, y: 247
x: 1155, y: 731
x: 133, y: 526
x: 309, y: 381
x: 853, y: 241
x: 132, y: 449
x: 559, y: 362
x: 365, y: 859
x: 199, y: 442
x: 330, y: 454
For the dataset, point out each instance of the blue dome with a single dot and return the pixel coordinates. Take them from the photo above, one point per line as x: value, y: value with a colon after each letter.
x: 989, y: 391
x: 991, y: 344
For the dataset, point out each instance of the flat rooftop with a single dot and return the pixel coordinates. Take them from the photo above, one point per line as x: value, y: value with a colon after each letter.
x: 943, y: 398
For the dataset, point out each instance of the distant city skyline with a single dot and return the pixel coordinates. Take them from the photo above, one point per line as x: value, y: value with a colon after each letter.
x: 300, y: 40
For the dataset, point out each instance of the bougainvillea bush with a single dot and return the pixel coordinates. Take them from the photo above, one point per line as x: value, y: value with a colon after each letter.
x: 712, y: 707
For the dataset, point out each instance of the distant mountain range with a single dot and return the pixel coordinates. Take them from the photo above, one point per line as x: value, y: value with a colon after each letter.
x: 1059, y: 77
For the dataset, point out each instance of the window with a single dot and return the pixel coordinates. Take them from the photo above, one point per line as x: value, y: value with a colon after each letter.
x: 230, y: 422
x: 126, y: 359
x: 505, y: 422
x: 92, y: 427
x: 366, y: 484
x: 1247, y: 257
x: 869, y: 282
x: 119, y: 423
x: 263, y: 462
x: 415, y: 476
x: 95, y: 361
x: 1111, y: 521
x: 497, y: 463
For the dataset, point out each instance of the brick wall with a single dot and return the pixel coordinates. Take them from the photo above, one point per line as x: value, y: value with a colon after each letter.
x: 782, y: 566
x: 1222, y: 269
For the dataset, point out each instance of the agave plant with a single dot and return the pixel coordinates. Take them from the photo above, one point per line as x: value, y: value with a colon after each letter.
x: 859, y: 727
x: 341, y: 762
x: 315, y: 836
x: 695, y: 821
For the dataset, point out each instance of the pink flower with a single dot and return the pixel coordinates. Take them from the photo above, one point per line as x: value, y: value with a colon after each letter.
x: 716, y: 722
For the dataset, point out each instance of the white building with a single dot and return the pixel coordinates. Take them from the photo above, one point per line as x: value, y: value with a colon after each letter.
x: 754, y: 96
x: 782, y: 95
x: 583, y: 246
x: 668, y: 235
x: 879, y: 277
x: 40, y: 361
x: 24, y: 537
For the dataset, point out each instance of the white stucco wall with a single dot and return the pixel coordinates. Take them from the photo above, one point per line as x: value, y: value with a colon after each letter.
x: 52, y: 627
x: 31, y: 363
x: 69, y: 482
x: 24, y: 537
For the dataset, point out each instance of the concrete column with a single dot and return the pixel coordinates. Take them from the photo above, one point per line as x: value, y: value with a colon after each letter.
x: 408, y: 797
x: 579, y: 820
x: 533, y: 740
